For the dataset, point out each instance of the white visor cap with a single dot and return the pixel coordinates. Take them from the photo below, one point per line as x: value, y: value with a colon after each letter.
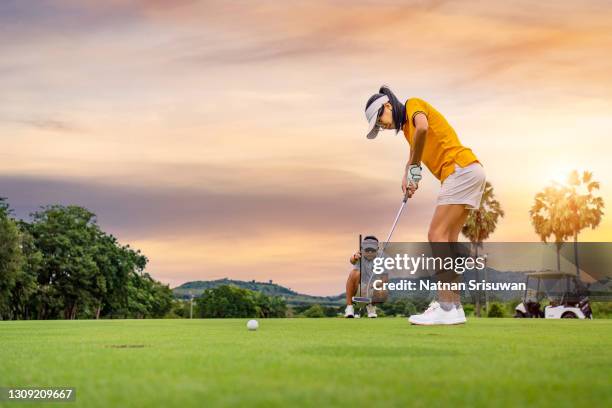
x: 371, y: 113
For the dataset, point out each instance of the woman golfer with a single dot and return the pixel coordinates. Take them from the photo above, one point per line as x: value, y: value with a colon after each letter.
x: 433, y: 142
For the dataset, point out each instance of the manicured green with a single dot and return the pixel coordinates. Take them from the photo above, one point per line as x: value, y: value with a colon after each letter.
x: 313, y: 362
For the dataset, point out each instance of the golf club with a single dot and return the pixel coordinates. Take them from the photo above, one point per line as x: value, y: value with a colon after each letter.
x: 361, y: 300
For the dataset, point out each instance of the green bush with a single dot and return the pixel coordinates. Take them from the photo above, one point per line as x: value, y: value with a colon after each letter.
x: 468, y: 309
x: 601, y: 310
x: 511, y: 306
x: 495, y: 310
x: 314, y: 311
x: 404, y: 307
x: 410, y: 309
x: 332, y: 311
x: 231, y: 301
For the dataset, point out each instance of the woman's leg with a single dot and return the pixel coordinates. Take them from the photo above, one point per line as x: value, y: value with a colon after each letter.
x: 447, y: 221
x: 445, y: 226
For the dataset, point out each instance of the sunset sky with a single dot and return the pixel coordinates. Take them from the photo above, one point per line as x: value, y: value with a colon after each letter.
x: 227, y: 139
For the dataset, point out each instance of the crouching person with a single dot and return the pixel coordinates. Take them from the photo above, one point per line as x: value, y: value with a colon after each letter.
x: 356, y: 278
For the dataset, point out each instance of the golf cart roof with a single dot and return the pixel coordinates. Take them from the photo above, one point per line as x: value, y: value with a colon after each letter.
x: 550, y: 274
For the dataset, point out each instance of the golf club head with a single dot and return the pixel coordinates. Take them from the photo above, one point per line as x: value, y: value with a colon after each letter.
x: 362, y: 300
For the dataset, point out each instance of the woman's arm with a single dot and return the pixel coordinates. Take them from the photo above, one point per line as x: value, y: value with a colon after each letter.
x: 421, y: 125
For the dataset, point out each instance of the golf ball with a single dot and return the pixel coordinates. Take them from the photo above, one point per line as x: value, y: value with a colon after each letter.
x: 252, y: 325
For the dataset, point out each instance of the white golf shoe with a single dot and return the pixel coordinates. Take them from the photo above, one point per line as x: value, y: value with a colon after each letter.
x: 460, y: 315
x: 349, y: 312
x: 371, y: 311
x: 435, y: 315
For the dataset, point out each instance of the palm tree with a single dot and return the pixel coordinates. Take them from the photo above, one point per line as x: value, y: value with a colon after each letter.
x: 585, y: 208
x: 480, y: 224
x: 550, y: 216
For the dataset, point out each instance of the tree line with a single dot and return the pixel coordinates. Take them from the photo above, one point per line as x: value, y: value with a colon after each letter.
x: 61, y: 265
x: 232, y: 301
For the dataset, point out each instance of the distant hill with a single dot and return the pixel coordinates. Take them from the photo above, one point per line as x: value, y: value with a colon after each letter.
x: 271, y: 289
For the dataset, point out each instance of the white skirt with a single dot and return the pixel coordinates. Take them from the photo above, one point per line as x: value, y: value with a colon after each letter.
x: 464, y: 186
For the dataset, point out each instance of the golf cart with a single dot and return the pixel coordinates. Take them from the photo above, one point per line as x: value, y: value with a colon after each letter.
x: 566, y: 294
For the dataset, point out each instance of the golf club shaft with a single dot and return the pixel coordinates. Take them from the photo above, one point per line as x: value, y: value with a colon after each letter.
x: 397, y: 217
x: 360, y: 262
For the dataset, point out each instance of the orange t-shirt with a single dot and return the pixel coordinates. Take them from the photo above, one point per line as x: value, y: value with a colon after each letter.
x: 442, y: 146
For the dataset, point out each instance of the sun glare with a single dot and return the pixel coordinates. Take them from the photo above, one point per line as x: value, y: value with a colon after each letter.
x: 559, y: 174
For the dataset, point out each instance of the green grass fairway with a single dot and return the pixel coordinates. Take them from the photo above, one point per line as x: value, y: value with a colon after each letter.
x: 312, y: 362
